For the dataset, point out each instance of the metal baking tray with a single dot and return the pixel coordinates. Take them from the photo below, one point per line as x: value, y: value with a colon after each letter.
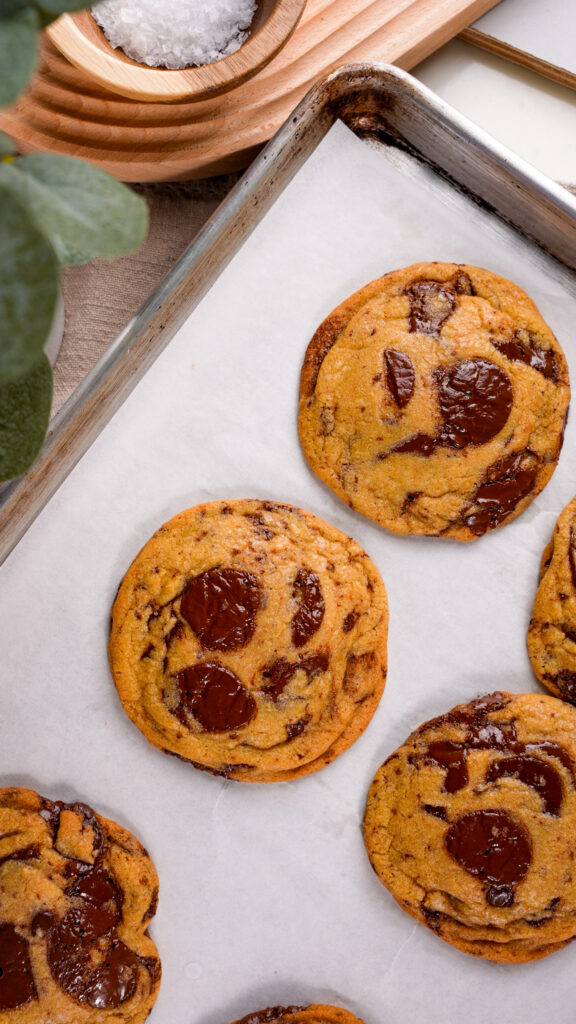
x: 381, y: 105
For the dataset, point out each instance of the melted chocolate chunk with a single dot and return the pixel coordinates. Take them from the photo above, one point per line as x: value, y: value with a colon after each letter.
x: 475, y: 399
x: 104, y: 896
x: 432, y: 918
x: 27, y: 853
x: 533, y: 772
x: 462, y: 284
x: 523, y: 348
x: 400, y: 376
x: 560, y: 753
x: 431, y: 303
x: 271, y: 1014
x: 42, y: 922
x: 294, y: 729
x: 220, y: 605
x: 93, y: 966
x: 307, y: 592
x: 524, y: 763
x: 16, y: 981
x: 350, y: 621
x: 500, y: 896
x: 504, y: 485
x: 495, y: 848
x: 418, y: 444
x: 436, y: 811
x: 280, y: 672
x: 452, y: 757
x: 216, y: 698
x: 566, y: 683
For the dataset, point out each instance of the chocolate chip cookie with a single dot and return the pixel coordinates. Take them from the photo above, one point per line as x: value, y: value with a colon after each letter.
x: 552, y: 631
x: 301, y: 1015
x: 250, y: 638
x: 434, y: 400
x: 470, y: 825
x: 77, y: 893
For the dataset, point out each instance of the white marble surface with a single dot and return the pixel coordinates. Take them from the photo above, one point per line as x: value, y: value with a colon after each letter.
x: 545, y: 28
x: 532, y: 115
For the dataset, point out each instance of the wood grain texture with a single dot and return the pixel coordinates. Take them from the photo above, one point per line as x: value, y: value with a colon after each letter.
x: 84, y: 44
x: 66, y: 112
x: 526, y: 60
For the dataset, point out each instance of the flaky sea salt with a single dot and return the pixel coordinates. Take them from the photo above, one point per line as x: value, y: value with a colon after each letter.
x: 175, y: 33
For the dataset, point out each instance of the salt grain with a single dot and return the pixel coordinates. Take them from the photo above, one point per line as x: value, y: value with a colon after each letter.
x: 175, y: 33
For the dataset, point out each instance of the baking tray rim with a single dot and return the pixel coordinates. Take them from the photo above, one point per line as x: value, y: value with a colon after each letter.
x: 93, y: 403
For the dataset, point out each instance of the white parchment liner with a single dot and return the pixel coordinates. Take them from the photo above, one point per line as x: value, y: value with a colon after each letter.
x: 267, y: 895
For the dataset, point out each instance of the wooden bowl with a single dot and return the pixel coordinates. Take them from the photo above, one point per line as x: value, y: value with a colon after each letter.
x: 82, y: 41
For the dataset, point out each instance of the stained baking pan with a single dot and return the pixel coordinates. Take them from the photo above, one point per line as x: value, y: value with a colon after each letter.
x: 266, y: 894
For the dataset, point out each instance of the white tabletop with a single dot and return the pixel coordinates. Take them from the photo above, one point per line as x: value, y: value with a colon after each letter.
x: 535, y: 117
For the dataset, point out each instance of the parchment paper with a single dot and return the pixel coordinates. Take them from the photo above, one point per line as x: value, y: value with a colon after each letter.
x: 267, y: 895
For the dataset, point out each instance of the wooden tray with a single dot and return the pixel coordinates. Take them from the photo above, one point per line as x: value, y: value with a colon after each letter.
x: 64, y: 111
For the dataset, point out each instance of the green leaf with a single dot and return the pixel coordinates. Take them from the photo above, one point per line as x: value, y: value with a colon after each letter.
x: 49, y: 10
x: 83, y: 211
x: 24, y: 415
x: 6, y: 145
x: 28, y: 288
x: 18, y: 38
x: 10, y: 7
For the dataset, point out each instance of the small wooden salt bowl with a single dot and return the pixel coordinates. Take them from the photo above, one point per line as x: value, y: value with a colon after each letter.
x: 84, y: 44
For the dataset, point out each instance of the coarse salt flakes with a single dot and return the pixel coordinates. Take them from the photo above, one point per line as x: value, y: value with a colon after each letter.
x: 175, y: 33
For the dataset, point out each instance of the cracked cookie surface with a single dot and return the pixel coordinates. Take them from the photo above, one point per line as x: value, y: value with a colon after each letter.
x: 77, y: 894
x: 470, y: 825
x: 316, y: 1014
x: 434, y: 400
x: 552, y: 630
x: 249, y: 638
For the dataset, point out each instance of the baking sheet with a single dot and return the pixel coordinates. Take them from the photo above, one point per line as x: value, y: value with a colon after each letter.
x: 267, y: 895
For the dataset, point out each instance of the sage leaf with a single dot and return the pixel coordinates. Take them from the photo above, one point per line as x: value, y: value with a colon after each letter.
x: 6, y: 145
x: 49, y: 10
x: 10, y: 7
x: 28, y: 288
x: 83, y: 211
x: 18, y: 38
x: 24, y: 414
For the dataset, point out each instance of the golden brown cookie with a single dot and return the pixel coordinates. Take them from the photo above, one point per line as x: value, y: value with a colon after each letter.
x: 250, y: 638
x: 301, y: 1015
x: 434, y: 401
x: 470, y: 825
x: 552, y: 631
x: 77, y: 893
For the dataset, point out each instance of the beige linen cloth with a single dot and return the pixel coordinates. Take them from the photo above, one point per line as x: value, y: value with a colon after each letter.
x: 100, y: 297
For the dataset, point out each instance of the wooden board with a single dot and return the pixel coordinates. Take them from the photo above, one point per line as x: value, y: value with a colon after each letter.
x: 535, y: 34
x: 64, y: 112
